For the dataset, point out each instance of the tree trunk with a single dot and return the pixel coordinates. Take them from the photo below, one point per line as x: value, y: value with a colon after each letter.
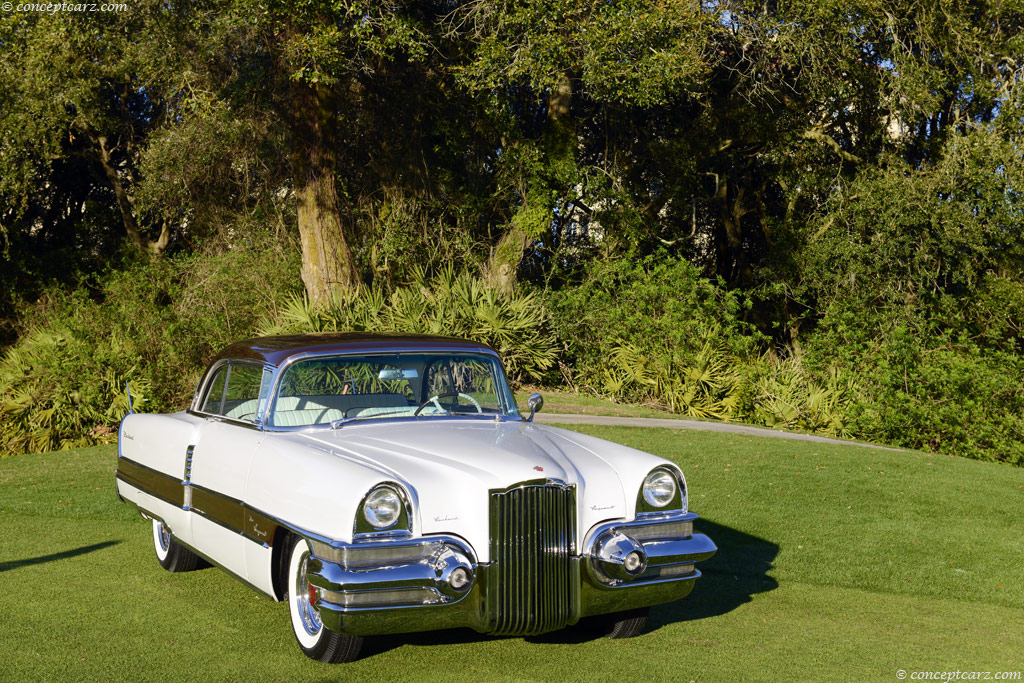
x: 733, y: 263
x: 327, y: 264
x: 532, y: 222
x: 124, y: 204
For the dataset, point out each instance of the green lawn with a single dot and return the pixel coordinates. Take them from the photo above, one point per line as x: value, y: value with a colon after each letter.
x: 835, y: 563
x: 584, y: 404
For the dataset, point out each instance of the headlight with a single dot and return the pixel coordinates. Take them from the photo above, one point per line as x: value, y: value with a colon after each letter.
x: 382, y: 507
x: 659, y: 488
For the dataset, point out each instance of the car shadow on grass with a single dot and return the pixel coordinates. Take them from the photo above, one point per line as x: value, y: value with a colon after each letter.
x: 53, y: 557
x: 738, y: 571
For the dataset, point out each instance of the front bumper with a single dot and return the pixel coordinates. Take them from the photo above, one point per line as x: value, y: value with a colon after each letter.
x: 403, y: 586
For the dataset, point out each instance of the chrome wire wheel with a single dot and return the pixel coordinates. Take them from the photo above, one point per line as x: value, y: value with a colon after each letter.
x: 305, y: 595
x: 316, y: 641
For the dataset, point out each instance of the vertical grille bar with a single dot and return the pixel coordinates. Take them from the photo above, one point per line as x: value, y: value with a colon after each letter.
x: 533, y: 540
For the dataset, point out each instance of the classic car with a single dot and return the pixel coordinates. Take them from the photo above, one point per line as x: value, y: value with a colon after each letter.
x: 389, y: 484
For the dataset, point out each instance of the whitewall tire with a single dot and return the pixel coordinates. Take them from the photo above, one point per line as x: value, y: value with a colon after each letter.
x: 172, y: 556
x: 316, y: 641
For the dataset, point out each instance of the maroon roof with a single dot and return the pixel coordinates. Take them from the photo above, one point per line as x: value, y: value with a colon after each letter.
x: 276, y: 350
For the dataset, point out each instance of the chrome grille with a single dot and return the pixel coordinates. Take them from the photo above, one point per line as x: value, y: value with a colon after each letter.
x: 532, y: 585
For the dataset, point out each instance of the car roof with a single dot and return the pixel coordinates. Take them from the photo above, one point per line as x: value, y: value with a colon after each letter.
x: 276, y: 350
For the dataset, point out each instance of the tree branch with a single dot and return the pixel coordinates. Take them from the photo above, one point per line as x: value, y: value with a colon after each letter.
x: 817, y: 134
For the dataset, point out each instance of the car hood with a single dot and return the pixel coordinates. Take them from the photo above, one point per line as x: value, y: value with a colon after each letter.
x: 449, y: 466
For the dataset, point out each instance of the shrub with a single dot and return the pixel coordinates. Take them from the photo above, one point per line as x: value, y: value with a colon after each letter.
x: 925, y: 384
x: 450, y: 304
x: 656, y: 332
x: 45, y: 404
x: 657, y: 306
x: 154, y: 325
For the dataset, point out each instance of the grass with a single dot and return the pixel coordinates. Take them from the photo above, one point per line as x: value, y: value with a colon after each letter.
x: 835, y: 563
x: 584, y: 404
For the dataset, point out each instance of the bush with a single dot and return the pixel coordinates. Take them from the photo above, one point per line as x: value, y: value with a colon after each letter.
x: 45, y: 404
x: 656, y: 332
x: 154, y: 325
x: 658, y: 305
x: 925, y: 384
x: 451, y: 304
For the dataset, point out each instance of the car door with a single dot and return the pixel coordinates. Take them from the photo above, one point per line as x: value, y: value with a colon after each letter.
x: 223, y: 451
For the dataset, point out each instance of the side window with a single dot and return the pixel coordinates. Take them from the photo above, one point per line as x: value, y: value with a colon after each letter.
x: 243, y: 391
x: 215, y: 394
x: 235, y: 391
x: 265, y: 385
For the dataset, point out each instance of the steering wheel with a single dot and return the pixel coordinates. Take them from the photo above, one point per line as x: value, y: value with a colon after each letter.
x: 448, y: 394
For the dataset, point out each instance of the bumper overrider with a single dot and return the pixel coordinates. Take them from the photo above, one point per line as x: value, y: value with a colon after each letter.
x: 434, y: 582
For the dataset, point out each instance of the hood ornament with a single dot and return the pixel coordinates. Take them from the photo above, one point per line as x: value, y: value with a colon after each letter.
x: 538, y: 468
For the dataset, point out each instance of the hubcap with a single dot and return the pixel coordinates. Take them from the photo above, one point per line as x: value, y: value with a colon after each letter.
x: 305, y: 595
x: 165, y: 537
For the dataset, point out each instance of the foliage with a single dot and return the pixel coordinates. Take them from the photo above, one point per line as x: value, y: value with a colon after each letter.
x: 450, y: 304
x: 655, y: 304
x: 923, y: 386
x: 153, y: 325
x: 915, y: 278
x: 654, y: 331
x: 809, y: 200
x: 46, y: 406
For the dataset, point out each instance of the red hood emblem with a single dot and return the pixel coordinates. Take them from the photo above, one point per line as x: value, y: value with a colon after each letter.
x: 538, y: 468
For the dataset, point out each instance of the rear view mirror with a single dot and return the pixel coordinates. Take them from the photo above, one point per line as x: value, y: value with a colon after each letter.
x: 392, y: 374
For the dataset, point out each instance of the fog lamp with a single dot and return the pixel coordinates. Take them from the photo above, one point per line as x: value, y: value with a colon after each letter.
x: 633, y: 563
x: 459, y: 578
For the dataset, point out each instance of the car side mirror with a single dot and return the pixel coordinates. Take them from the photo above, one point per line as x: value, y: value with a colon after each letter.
x: 535, y: 403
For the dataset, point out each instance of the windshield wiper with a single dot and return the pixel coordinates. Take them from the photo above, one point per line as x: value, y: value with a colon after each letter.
x: 336, y: 424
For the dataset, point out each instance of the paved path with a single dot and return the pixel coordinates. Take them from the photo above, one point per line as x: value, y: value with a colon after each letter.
x: 556, y: 418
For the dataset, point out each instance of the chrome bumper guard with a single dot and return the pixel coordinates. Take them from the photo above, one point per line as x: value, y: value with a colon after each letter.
x: 409, y: 585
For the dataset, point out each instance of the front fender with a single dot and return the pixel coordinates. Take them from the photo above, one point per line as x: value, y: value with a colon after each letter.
x: 306, y: 485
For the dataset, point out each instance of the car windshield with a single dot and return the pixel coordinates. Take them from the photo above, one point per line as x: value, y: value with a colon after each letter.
x: 333, y: 389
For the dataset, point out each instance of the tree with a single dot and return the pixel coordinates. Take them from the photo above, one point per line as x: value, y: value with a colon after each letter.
x: 559, y: 67
x: 80, y: 91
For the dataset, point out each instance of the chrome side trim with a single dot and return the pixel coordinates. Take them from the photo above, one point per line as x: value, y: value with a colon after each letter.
x: 187, y: 483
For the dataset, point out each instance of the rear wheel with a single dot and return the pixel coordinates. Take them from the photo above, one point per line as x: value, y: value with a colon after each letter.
x: 316, y: 641
x: 173, y: 556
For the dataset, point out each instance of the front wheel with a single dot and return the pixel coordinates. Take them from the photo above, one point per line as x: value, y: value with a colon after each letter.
x: 622, y: 624
x: 172, y: 556
x: 316, y: 641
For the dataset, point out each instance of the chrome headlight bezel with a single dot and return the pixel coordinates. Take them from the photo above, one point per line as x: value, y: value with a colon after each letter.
x: 368, y: 520
x: 647, y: 503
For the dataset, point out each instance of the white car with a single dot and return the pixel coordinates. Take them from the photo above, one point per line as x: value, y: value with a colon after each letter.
x: 389, y: 484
